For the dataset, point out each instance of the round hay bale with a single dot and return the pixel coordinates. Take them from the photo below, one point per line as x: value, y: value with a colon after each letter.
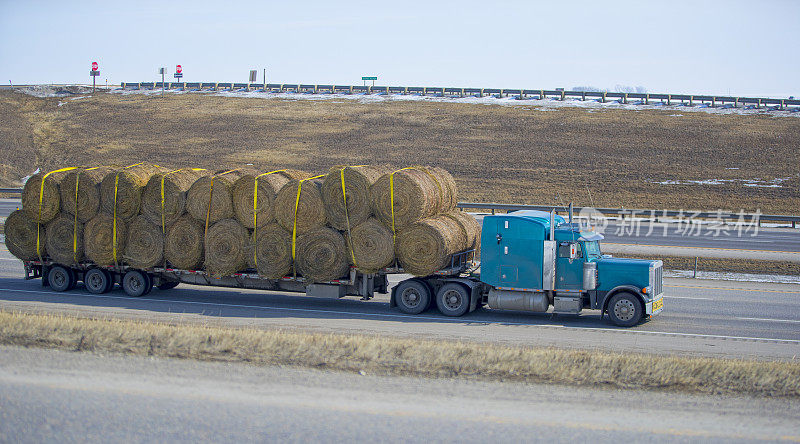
x: 227, y: 246
x: 449, y: 190
x: 357, y: 182
x: 98, y: 239
x: 416, y: 196
x: 310, y: 209
x: 273, y: 252
x: 130, y: 181
x: 321, y: 255
x: 426, y: 246
x: 144, y: 247
x: 183, y: 246
x: 176, y: 185
x: 244, y: 191
x: 64, y: 242
x: 50, y: 196
x: 470, y: 227
x: 20, y: 231
x: 87, y: 181
x: 371, y: 244
x: 221, y: 199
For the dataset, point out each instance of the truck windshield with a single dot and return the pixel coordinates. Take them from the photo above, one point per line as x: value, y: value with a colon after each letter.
x: 592, y: 249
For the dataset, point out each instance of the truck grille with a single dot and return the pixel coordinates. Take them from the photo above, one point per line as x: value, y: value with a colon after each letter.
x: 657, y: 275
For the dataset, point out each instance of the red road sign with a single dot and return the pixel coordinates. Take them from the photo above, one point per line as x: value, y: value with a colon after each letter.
x: 179, y: 69
x: 94, y: 66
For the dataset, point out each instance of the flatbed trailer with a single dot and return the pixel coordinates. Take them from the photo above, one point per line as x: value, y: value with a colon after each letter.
x: 139, y: 282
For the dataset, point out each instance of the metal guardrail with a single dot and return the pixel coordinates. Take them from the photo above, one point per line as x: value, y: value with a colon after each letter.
x: 11, y: 190
x: 601, y: 96
x: 632, y: 212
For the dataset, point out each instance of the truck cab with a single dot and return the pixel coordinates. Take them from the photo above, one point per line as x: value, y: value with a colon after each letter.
x: 533, y: 259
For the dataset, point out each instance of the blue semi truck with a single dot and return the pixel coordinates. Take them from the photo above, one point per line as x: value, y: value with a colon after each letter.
x: 530, y: 261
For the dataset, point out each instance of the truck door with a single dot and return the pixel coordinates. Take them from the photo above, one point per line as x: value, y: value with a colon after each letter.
x: 569, y: 266
x: 507, y: 237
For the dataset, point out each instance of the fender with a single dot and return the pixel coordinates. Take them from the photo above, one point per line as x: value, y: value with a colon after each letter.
x: 474, y: 287
x: 627, y: 288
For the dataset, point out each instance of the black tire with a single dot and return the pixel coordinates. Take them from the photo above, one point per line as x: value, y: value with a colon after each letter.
x: 149, y: 283
x: 136, y: 283
x: 412, y: 296
x: 625, y: 310
x: 453, y: 299
x: 97, y: 281
x: 61, y: 278
x: 168, y: 285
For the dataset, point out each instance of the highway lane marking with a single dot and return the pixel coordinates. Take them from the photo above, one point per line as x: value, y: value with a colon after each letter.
x: 688, y: 297
x: 793, y: 321
x: 703, y: 248
x: 734, y: 289
x: 434, y: 318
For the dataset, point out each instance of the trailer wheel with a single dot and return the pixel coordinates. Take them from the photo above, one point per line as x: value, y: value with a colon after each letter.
x: 97, y: 281
x: 61, y: 278
x: 453, y: 299
x: 136, y: 283
x: 412, y: 296
x: 168, y: 285
x: 625, y: 310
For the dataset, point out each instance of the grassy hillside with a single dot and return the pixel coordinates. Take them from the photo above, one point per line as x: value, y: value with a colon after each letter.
x: 497, y: 153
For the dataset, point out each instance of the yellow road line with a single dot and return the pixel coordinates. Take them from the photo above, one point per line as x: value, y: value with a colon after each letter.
x: 701, y: 248
x: 734, y: 289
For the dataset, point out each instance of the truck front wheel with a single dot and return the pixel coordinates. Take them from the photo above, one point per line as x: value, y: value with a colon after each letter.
x: 453, y: 299
x: 625, y: 310
x: 412, y: 296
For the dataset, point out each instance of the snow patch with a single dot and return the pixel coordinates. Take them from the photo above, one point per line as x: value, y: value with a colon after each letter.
x: 742, y: 277
x: 547, y: 104
x: 25, y: 179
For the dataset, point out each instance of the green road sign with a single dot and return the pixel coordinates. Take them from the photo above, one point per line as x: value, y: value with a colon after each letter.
x: 369, y: 78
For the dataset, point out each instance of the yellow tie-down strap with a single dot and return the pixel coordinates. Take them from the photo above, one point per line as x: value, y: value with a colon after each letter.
x: 294, y: 228
x: 114, y: 220
x: 75, y: 223
x: 39, y: 218
x: 255, y: 214
x: 347, y: 213
x: 211, y: 197
x: 163, y: 176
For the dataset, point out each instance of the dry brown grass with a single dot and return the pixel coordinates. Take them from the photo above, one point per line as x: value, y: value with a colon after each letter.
x: 754, y: 266
x: 497, y: 153
x: 392, y: 356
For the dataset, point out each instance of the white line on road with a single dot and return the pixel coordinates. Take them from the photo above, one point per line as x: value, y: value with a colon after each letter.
x: 434, y: 318
x: 687, y: 297
x: 792, y: 321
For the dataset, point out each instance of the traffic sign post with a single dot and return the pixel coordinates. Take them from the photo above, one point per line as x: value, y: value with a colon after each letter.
x: 162, y: 71
x: 178, y: 72
x: 373, y: 78
x: 94, y: 73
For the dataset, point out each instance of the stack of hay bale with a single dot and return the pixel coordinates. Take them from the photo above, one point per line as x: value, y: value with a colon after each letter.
x: 278, y: 222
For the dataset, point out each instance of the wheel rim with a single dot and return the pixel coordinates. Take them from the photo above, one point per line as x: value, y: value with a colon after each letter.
x: 452, y: 299
x: 135, y: 283
x: 411, y: 297
x: 95, y: 281
x: 60, y: 278
x: 624, y: 310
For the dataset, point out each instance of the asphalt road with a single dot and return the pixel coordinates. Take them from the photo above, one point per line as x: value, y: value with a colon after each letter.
x: 709, y: 318
x: 56, y: 396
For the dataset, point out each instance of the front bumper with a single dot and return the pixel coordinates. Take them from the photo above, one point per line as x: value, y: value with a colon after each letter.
x: 655, y: 306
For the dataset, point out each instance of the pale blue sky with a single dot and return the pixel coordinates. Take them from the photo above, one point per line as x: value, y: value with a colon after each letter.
x: 717, y: 47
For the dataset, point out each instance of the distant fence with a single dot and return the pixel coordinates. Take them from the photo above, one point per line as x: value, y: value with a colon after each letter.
x: 600, y: 96
x: 640, y: 213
